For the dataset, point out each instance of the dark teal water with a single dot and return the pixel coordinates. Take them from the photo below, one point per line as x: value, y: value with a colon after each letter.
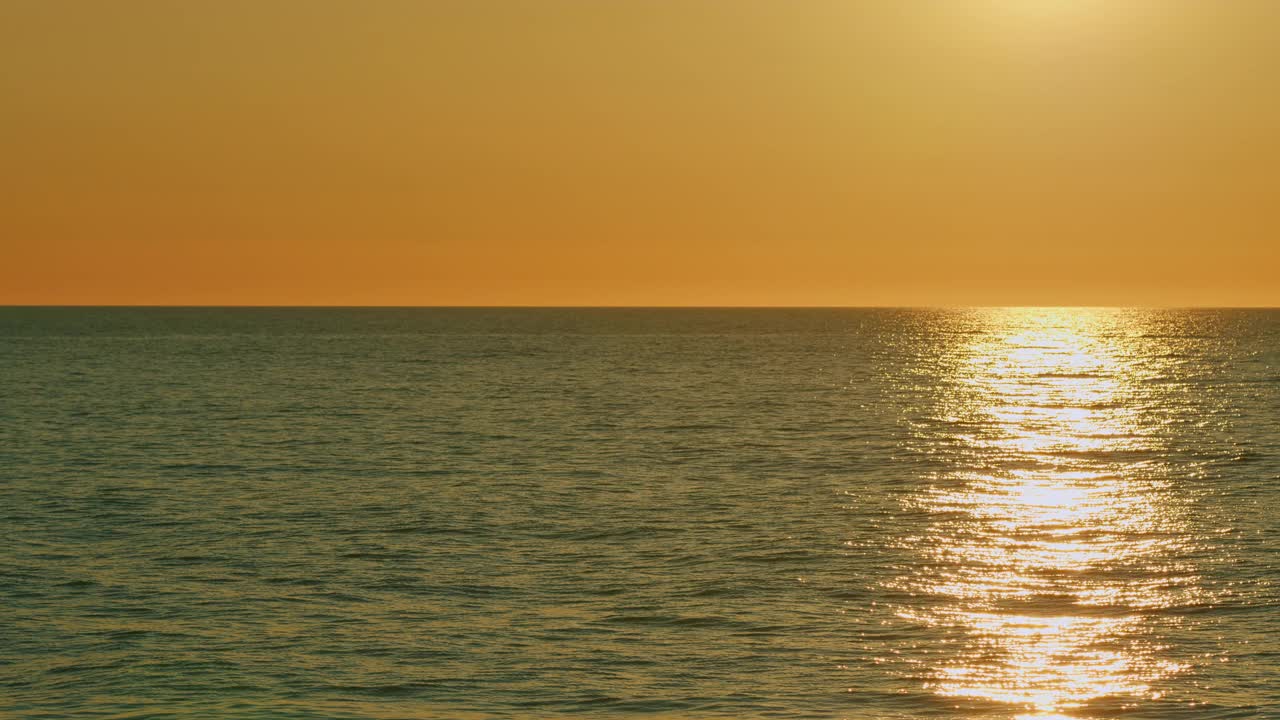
x: 429, y: 513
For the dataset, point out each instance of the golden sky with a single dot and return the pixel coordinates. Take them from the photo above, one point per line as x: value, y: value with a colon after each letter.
x: 640, y: 152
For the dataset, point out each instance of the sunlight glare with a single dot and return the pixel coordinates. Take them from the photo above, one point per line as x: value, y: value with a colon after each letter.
x: 1036, y: 543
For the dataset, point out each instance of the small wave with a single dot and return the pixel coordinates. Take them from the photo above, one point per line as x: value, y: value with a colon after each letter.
x: 79, y: 583
x: 685, y: 621
x: 387, y: 690
x: 779, y: 556
x: 1072, y: 376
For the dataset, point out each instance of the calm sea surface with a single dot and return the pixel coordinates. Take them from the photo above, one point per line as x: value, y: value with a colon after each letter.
x: 429, y: 513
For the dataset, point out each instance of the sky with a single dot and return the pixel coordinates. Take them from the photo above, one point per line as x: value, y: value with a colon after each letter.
x: 640, y: 152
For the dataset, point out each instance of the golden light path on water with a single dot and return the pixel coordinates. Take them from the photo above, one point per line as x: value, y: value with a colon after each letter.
x: 1057, y: 530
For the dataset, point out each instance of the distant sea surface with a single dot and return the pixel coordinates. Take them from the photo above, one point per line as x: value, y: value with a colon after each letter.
x: 632, y: 513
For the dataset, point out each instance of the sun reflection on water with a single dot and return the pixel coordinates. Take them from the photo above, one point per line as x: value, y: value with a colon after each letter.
x: 1054, y: 528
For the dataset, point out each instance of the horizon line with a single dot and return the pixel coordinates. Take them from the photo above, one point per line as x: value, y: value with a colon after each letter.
x: 125, y: 306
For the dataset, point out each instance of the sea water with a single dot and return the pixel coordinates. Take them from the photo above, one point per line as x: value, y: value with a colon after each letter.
x: 633, y: 513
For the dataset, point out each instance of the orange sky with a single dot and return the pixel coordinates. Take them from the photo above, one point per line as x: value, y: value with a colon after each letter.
x: 640, y: 152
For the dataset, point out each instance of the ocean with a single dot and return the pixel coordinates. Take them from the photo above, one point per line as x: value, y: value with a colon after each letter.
x: 639, y: 513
